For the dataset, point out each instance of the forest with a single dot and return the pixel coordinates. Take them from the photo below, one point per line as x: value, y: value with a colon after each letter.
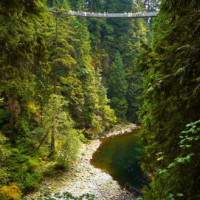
x: 66, y: 80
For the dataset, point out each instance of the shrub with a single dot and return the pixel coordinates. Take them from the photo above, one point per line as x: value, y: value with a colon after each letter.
x: 10, y: 193
x: 25, y: 170
x: 4, y: 154
x: 68, y: 149
x: 49, y: 169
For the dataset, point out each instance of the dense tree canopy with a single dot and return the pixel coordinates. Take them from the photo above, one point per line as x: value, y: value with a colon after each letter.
x: 64, y: 80
x: 118, y: 87
x: 51, y: 94
x: 171, y: 102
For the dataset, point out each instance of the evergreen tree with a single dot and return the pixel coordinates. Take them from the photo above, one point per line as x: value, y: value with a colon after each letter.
x: 22, y: 53
x: 53, y: 77
x: 65, y: 139
x: 85, y: 86
x: 171, y: 102
x: 126, y: 36
x: 118, y: 88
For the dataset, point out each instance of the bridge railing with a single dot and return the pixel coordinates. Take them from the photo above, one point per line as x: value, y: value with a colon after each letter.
x: 107, y: 15
x: 114, y: 15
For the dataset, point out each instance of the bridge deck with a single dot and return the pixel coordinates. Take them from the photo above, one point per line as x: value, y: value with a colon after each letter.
x: 115, y: 15
x: 108, y: 15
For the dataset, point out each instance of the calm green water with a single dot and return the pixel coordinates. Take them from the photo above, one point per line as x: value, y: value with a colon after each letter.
x: 118, y: 156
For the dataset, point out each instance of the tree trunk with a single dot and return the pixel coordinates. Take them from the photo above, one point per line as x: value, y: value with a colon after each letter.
x: 53, y: 135
x: 11, y: 109
x: 14, y: 109
x: 55, y: 67
x: 53, y: 140
x: 43, y: 139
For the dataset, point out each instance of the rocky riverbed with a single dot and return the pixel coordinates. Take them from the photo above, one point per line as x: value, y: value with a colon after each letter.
x: 85, y: 178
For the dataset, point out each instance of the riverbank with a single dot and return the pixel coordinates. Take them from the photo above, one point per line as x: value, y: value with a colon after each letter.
x: 85, y: 178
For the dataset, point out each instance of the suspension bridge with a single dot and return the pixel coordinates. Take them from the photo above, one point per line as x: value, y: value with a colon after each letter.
x: 106, y: 14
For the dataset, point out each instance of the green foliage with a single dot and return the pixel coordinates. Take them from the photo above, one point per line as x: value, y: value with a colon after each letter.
x: 174, y: 173
x: 59, y: 4
x: 25, y: 170
x: 3, y: 151
x: 118, y: 87
x: 4, y: 154
x: 14, y: 7
x: 171, y: 100
x: 3, y: 115
x: 53, y: 78
x: 69, y: 145
x: 111, y: 35
x: 58, y: 124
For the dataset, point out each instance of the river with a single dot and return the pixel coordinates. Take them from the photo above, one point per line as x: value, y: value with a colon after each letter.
x: 118, y: 156
x: 106, y: 180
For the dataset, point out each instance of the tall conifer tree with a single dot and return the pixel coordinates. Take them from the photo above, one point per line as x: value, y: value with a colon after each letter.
x: 170, y: 114
x: 118, y: 87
